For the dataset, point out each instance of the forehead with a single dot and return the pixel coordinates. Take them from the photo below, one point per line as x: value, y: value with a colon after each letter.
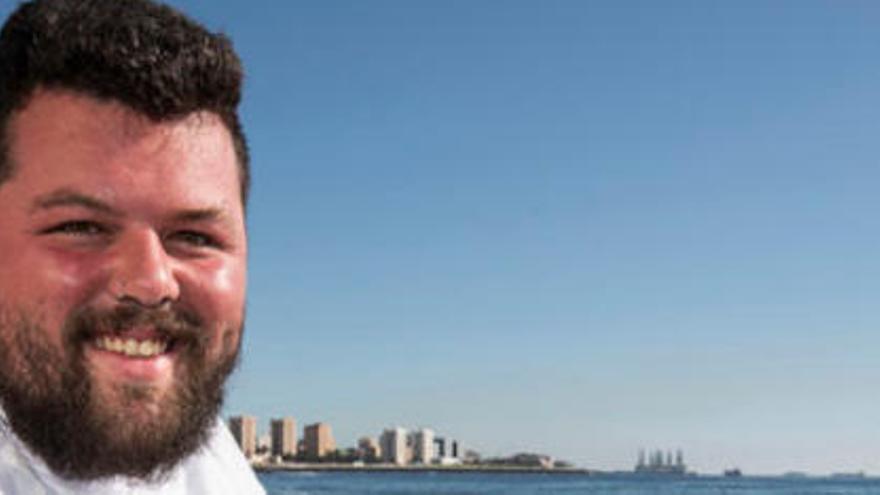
x: 67, y: 140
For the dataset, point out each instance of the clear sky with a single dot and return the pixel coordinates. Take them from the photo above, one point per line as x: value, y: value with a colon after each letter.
x: 578, y: 228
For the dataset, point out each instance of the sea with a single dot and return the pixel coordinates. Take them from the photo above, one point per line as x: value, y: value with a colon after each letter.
x: 433, y: 483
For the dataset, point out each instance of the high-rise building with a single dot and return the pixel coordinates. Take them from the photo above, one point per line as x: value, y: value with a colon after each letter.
x: 423, y: 446
x: 318, y: 441
x: 244, y: 429
x: 393, y: 445
x: 283, y: 431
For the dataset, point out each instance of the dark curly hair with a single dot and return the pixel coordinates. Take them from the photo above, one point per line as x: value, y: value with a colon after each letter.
x: 144, y: 55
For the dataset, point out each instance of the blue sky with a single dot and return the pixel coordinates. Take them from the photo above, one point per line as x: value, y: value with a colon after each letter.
x: 580, y: 228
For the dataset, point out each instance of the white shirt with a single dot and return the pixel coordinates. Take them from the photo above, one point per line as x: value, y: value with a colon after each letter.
x: 218, y: 468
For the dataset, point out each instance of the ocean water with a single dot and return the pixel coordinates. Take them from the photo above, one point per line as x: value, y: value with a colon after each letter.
x: 387, y: 483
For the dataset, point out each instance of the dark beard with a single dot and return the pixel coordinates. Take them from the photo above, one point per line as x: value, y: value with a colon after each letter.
x: 52, y: 404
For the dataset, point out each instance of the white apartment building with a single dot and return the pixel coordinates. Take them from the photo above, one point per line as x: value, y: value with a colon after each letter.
x: 394, y: 448
x: 423, y: 446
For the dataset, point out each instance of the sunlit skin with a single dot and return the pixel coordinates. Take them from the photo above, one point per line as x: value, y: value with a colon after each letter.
x: 106, y: 206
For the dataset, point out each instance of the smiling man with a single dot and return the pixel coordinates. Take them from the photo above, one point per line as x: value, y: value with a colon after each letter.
x: 123, y: 181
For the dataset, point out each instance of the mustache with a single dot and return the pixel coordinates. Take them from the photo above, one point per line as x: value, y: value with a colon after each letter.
x: 168, y: 322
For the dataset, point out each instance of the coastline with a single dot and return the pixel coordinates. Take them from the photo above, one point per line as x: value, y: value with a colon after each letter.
x: 390, y: 468
x: 488, y: 469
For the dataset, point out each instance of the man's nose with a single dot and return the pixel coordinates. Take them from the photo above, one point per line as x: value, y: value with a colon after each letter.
x: 143, y: 272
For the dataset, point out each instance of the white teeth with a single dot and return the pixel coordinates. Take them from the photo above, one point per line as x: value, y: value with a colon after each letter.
x: 146, y: 348
x: 131, y: 347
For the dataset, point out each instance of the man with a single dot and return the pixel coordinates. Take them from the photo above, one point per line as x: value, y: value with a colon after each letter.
x: 123, y: 182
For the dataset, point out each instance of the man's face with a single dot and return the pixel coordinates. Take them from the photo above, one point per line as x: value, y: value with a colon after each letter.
x: 122, y: 282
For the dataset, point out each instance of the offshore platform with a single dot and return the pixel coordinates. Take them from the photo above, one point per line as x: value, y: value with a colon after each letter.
x: 658, y: 463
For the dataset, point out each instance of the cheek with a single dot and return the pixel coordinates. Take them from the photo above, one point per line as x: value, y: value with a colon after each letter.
x: 46, y: 286
x: 75, y: 272
x: 57, y: 279
x: 216, y: 289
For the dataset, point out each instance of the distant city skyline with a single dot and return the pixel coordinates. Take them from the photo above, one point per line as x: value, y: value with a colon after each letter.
x: 421, y: 447
x: 394, y: 446
x: 579, y: 228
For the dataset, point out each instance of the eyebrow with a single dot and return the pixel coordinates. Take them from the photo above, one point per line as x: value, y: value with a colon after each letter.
x: 199, y: 215
x: 68, y: 197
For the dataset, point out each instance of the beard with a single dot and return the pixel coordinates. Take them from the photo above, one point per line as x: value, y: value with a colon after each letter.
x: 86, y: 430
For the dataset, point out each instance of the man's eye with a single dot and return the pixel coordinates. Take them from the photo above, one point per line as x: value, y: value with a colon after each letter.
x: 196, y: 239
x: 77, y: 228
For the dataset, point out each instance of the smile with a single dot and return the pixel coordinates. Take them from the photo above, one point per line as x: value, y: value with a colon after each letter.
x: 131, y: 347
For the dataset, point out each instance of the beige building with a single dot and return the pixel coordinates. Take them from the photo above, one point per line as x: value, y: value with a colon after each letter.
x: 244, y: 429
x: 283, y: 431
x: 318, y: 441
x: 368, y: 449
